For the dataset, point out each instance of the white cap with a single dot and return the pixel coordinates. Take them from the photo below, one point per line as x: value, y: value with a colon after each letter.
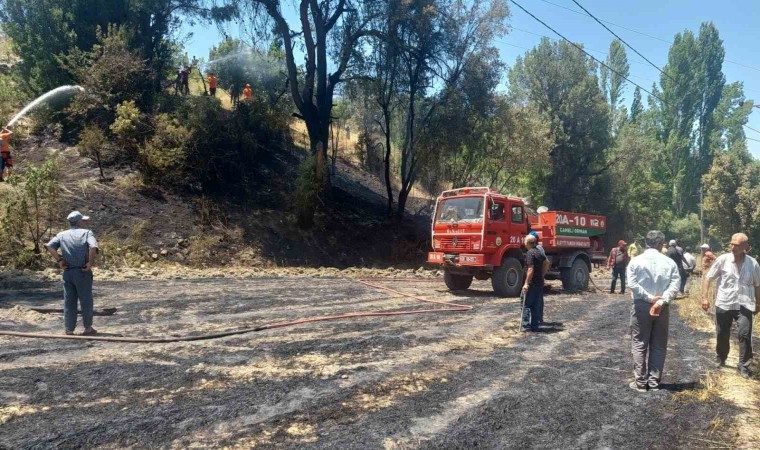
x: 672, y: 242
x: 76, y: 216
x: 705, y: 246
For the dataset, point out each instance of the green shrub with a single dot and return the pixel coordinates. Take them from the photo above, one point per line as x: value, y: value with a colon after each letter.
x: 29, y: 214
x: 164, y: 157
x: 92, y: 144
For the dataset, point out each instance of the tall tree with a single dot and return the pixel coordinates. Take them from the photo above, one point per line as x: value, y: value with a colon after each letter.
x: 677, y: 107
x: 613, y: 81
x: 710, y: 81
x: 561, y: 82
x: 438, y: 39
x: 636, y: 106
x: 331, y: 33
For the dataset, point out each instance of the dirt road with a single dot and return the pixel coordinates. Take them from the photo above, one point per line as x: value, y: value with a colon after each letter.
x: 448, y: 380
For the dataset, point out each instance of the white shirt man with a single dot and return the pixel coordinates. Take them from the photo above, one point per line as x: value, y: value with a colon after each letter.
x: 738, y: 278
x: 654, y: 281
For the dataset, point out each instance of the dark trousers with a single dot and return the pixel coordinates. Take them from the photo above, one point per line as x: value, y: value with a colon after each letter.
x: 649, y: 343
x: 684, y: 279
x: 531, y: 306
x: 541, y: 307
x: 618, y: 272
x: 723, y: 321
x: 77, y: 286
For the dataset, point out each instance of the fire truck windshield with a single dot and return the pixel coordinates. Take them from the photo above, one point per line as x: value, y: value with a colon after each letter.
x: 460, y: 210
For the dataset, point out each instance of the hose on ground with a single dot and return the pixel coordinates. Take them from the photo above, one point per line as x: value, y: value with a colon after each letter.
x: 370, y: 282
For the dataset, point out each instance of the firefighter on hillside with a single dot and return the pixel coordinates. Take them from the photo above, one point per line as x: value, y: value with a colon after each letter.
x: 247, y: 92
x: 5, y: 152
x: 212, y: 80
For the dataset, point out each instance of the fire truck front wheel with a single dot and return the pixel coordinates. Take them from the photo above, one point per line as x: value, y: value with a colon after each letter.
x: 507, y: 278
x: 457, y: 282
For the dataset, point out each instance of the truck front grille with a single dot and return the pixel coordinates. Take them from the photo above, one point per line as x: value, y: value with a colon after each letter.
x: 455, y: 242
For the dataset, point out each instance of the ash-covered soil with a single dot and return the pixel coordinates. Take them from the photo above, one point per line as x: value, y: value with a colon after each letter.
x: 443, y: 380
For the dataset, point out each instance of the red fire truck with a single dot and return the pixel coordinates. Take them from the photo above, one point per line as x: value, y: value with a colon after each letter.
x: 478, y: 233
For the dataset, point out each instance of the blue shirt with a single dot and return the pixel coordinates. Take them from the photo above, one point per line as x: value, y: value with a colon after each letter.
x: 75, y: 244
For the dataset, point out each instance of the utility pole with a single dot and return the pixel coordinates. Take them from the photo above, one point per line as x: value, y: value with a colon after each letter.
x: 701, y: 217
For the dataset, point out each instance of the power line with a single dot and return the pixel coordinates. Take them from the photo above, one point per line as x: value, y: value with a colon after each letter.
x: 622, y: 40
x: 640, y: 32
x: 600, y: 62
x: 583, y: 50
x: 756, y: 131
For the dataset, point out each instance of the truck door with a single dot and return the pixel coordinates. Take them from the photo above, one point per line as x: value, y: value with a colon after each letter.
x: 518, y: 220
x: 497, y: 231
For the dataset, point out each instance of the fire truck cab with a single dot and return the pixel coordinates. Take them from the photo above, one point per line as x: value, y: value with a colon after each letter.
x: 478, y: 233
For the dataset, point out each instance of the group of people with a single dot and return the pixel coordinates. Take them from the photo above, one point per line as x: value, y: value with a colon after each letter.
x: 685, y: 261
x: 182, y: 86
x: 655, y: 279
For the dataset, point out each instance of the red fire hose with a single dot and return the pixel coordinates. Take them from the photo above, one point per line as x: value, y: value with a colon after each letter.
x: 371, y: 282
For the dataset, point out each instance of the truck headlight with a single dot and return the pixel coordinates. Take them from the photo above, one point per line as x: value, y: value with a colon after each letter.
x: 436, y: 243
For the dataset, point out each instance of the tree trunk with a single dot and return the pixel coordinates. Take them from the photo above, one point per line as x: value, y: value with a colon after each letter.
x: 388, y: 187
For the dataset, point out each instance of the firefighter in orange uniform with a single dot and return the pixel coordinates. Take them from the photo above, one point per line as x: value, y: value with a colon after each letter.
x: 5, y: 152
x: 247, y: 92
x: 212, y: 80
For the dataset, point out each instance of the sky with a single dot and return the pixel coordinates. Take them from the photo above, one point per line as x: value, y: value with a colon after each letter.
x: 650, y: 26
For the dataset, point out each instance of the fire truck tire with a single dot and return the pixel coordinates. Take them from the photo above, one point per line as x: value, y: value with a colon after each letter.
x: 575, y: 278
x: 457, y: 282
x: 507, y: 278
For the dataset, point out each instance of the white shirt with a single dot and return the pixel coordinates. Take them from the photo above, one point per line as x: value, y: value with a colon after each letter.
x: 652, y: 274
x: 691, y: 261
x: 735, y: 289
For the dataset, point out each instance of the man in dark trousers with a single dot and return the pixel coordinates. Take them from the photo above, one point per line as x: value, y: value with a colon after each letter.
x: 738, y: 278
x: 617, y: 262
x: 677, y: 257
x: 536, y: 265
x: 78, y: 249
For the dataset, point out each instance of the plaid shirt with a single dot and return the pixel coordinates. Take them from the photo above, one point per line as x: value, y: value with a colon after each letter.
x: 613, y: 257
x: 75, y: 244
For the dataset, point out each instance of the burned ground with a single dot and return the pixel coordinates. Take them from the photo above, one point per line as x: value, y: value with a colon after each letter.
x: 444, y: 380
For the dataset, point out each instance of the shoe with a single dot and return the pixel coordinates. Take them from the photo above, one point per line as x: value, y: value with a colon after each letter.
x: 89, y: 332
x: 743, y: 372
x: 622, y: 292
x: 612, y: 292
x: 719, y: 363
x: 69, y: 333
x: 636, y: 387
x: 653, y: 387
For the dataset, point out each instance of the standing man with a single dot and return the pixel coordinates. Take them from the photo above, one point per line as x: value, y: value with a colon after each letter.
x: 677, y: 258
x: 78, y: 249
x: 654, y: 281
x: 212, y: 80
x: 540, y: 248
x: 617, y: 262
x: 247, y: 92
x: 690, y: 263
x: 5, y: 153
x: 708, y: 258
x: 633, y: 250
x: 537, y: 265
x: 738, y: 278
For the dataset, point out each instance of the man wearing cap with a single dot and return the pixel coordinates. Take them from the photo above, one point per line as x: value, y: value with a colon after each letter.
x: 677, y: 258
x: 617, y: 262
x: 708, y: 258
x: 78, y: 249
x: 738, y: 278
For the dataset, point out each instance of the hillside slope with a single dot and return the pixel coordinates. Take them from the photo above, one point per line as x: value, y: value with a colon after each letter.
x: 139, y: 224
